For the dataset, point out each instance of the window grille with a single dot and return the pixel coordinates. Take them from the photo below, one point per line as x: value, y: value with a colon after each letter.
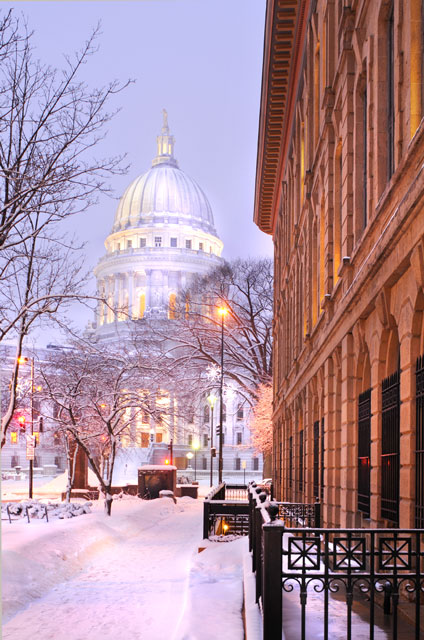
x: 291, y: 462
x: 390, y: 448
x: 419, y: 454
x: 364, y: 452
x: 322, y: 461
x: 301, y: 461
x: 316, y: 459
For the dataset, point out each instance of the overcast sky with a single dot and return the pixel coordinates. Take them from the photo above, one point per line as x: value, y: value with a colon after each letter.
x: 199, y: 59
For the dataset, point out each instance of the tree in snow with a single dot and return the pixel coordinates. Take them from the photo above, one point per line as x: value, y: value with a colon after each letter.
x: 261, y: 420
x: 97, y: 394
x: 50, y: 125
x: 245, y: 289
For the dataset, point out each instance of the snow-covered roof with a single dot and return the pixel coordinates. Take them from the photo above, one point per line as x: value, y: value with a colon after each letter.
x: 157, y: 467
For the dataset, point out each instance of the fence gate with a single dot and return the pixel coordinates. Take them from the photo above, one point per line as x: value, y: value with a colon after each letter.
x: 364, y: 450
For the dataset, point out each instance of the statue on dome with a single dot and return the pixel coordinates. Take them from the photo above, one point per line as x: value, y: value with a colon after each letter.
x: 165, y: 119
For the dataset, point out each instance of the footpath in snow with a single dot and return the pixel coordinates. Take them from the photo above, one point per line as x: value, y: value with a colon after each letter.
x: 134, y: 575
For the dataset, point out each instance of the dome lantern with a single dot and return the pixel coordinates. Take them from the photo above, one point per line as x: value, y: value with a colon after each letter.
x: 165, y: 144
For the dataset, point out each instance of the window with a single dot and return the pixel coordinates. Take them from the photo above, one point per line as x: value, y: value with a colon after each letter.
x: 205, y: 440
x: 190, y: 439
x: 239, y: 437
x: 206, y: 414
x: 240, y: 413
x: 129, y: 244
x: 14, y: 461
x: 14, y: 438
x: 390, y: 95
x: 144, y: 440
x: 173, y: 242
x: 142, y: 243
x: 191, y: 416
x: 37, y: 437
x: 364, y: 451
x: 255, y: 464
x: 419, y: 452
x: 237, y: 464
x: 316, y: 459
x: 200, y: 246
x: 204, y: 463
x: 390, y: 436
x: 301, y: 461
x: 188, y: 244
x: 158, y: 241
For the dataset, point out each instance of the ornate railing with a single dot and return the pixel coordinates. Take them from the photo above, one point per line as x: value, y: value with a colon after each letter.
x: 369, y: 576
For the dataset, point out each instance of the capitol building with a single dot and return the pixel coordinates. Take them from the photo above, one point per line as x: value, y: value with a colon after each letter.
x: 162, y: 236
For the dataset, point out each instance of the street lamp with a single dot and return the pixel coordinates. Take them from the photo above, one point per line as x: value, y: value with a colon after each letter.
x: 223, y: 312
x: 211, y: 402
x: 30, y: 444
x: 189, y: 456
x: 195, y: 446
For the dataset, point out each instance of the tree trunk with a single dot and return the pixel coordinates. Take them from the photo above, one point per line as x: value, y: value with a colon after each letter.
x: 108, y: 502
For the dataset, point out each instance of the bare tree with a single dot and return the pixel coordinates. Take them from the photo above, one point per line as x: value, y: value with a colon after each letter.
x: 98, y: 394
x: 50, y: 124
x: 194, y: 338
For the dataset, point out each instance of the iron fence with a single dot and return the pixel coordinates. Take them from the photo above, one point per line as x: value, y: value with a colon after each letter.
x: 335, y: 575
x: 226, y: 511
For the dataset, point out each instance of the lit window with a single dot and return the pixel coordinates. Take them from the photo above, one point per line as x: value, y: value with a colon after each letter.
x: 142, y: 306
x: 37, y: 437
x: 142, y: 243
x: 158, y: 241
x: 173, y: 242
x: 200, y: 246
x: 14, y: 437
x: 188, y: 244
x: 172, y: 305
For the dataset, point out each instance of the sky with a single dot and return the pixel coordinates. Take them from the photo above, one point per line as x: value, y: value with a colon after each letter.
x: 201, y: 60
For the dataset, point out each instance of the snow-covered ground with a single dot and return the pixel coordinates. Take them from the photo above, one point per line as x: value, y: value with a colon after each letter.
x: 137, y: 574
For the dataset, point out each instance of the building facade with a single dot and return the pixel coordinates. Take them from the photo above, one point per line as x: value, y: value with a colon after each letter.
x: 340, y: 186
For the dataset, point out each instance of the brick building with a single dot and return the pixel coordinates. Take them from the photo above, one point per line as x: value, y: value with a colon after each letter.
x: 340, y: 186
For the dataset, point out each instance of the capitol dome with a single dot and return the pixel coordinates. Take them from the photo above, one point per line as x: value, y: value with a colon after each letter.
x: 162, y: 237
x: 164, y: 194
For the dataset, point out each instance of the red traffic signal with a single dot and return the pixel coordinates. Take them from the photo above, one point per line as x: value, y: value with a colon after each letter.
x: 21, y: 420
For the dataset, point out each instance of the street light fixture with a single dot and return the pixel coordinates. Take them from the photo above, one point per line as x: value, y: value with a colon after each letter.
x: 211, y: 402
x: 223, y: 312
x: 189, y: 456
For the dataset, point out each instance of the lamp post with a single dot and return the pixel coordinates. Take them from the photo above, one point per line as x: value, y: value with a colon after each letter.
x: 189, y: 456
x: 196, y: 446
x: 223, y: 312
x: 211, y: 402
x: 30, y: 445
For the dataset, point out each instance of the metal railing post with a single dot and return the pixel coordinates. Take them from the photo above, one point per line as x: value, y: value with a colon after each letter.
x: 206, y: 519
x: 272, y: 597
x: 317, y: 508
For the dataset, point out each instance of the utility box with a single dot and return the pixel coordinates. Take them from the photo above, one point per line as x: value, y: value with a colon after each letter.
x: 153, y: 478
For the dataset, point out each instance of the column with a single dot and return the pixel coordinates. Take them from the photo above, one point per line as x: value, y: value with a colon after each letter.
x: 130, y: 288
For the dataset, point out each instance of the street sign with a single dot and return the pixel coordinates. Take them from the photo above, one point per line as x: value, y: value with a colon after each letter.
x: 243, y: 464
x: 30, y: 447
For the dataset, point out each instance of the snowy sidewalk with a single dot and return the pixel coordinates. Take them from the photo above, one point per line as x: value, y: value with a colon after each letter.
x: 136, y: 575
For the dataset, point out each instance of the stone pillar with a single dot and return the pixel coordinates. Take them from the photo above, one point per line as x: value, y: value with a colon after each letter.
x: 130, y: 289
x: 328, y: 502
x: 348, y: 495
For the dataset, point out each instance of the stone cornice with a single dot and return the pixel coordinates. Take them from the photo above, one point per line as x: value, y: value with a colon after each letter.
x: 285, y: 31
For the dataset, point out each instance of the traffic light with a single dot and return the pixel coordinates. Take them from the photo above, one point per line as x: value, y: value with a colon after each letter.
x: 40, y: 424
x: 21, y: 421
x: 218, y: 430
x: 213, y: 452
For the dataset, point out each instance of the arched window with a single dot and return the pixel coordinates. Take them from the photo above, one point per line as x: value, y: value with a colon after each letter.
x: 390, y: 94
x: 338, y: 199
